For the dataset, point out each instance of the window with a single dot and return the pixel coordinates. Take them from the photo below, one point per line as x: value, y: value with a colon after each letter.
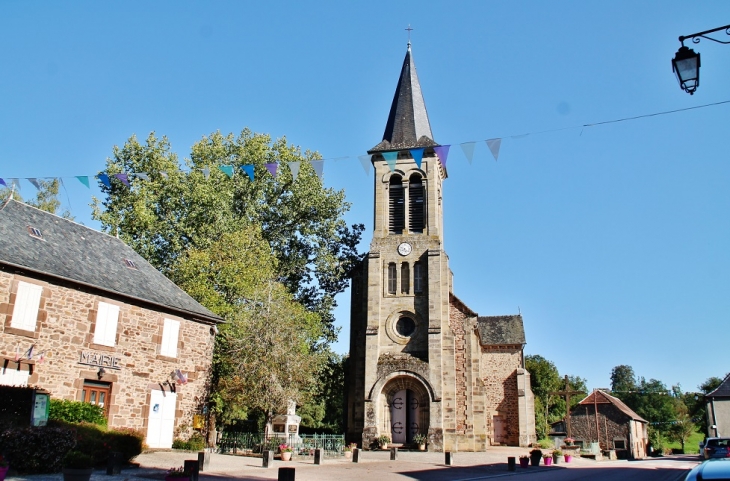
x: 107, y: 317
x: 130, y: 263
x: 396, y: 205
x: 405, y: 326
x: 418, y: 278
x: 405, y: 278
x: 392, y: 279
x: 27, y: 301
x: 170, y: 333
x: 619, y: 444
x: 10, y: 376
x: 415, y: 204
x: 35, y: 232
x: 96, y: 393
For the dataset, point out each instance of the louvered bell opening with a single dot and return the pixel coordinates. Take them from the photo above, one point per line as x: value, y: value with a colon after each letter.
x: 418, y: 278
x: 396, y: 206
x: 416, y: 205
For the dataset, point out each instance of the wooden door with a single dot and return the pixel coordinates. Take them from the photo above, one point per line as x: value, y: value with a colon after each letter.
x: 97, y: 393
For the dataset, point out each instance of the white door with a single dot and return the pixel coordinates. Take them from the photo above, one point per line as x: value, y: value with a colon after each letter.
x: 161, y: 419
x: 398, y: 426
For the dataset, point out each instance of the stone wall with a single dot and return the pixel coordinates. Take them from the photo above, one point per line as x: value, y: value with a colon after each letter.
x: 611, y: 424
x: 498, y: 371
x: 65, y: 330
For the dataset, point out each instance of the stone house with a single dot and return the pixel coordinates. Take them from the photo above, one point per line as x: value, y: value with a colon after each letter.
x: 718, y: 409
x: 606, y: 420
x: 421, y: 361
x: 84, y: 317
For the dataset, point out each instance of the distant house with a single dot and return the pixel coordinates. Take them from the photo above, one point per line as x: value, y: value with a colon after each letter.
x: 718, y: 409
x: 604, y: 419
x: 84, y: 317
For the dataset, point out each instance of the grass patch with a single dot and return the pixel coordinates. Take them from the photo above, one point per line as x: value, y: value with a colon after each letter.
x: 691, y: 446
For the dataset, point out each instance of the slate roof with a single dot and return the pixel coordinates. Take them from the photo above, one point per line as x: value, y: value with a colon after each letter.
x: 723, y: 390
x: 78, y: 254
x: 408, y: 126
x: 605, y: 398
x: 501, y: 330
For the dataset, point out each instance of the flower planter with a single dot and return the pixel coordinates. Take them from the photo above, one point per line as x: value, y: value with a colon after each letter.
x: 286, y: 456
x: 524, y: 462
x: 72, y: 474
x: 556, y: 459
x: 3, y: 472
x: 348, y: 454
x: 535, y: 460
x: 384, y: 446
x: 568, y: 458
x: 548, y: 461
x: 421, y: 447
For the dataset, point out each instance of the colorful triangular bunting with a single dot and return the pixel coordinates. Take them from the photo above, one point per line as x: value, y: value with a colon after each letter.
x: 366, y: 161
x: 227, y: 169
x: 391, y: 158
x: 248, y: 168
x: 104, y: 179
x: 294, y: 167
x: 443, y: 153
x: 318, y: 167
x: 417, y: 155
x: 124, y: 178
x: 206, y: 172
x: 84, y: 179
x: 468, y: 148
x: 272, y: 167
x: 35, y: 183
x: 493, y: 145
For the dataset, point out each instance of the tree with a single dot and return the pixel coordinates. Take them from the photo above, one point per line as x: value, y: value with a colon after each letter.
x: 173, y: 211
x: 544, y: 379
x: 267, y: 353
x: 46, y: 198
x: 683, y: 426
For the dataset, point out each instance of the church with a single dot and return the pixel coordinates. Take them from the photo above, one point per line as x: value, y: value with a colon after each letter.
x: 421, y: 361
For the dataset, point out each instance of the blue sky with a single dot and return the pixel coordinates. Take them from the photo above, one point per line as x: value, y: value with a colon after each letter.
x: 611, y: 240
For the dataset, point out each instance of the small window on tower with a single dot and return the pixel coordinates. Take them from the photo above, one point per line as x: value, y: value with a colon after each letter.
x: 392, y: 278
x: 416, y: 204
x: 418, y: 277
x: 405, y: 278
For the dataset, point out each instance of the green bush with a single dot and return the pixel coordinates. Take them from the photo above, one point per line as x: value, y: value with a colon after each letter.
x: 195, y: 443
x: 36, y: 450
x: 98, y: 442
x: 128, y: 441
x: 76, y: 412
x: 78, y: 460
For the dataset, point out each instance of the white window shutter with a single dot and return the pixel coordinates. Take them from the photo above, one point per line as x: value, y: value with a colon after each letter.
x: 27, y: 302
x: 170, y: 333
x: 107, y: 318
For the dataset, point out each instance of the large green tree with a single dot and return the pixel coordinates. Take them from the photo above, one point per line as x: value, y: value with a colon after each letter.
x: 192, y: 204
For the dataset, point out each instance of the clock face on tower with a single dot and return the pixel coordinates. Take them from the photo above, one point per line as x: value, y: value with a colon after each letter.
x: 404, y: 249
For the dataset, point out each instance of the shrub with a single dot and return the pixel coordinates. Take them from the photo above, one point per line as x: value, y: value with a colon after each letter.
x: 36, y: 450
x: 78, y: 460
x: 98, y: 442
x: 195, y: 443
x: 76, y: 412
x: 128, y: 441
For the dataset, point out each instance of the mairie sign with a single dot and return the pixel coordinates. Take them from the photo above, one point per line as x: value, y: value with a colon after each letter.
x: 91, y: 358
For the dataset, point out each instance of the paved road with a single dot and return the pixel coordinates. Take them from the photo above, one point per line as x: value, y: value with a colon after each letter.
x: 409, y: 466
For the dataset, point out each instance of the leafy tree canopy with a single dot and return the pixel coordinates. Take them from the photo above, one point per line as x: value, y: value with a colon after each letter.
x: 173, y: 211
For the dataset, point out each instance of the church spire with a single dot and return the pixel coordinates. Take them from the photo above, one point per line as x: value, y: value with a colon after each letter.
x: 408, y: 126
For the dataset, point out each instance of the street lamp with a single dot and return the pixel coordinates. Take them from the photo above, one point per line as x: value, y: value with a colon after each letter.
x: 686, y: 62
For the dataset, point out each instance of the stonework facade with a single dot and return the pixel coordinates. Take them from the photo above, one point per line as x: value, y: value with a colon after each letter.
x: 421, y: 361
x: 146, y: 363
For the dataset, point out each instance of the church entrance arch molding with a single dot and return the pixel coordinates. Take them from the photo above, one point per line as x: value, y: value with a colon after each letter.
x: 404, y: 400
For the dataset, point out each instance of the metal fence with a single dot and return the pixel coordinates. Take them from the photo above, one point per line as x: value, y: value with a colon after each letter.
x: 302, y: 444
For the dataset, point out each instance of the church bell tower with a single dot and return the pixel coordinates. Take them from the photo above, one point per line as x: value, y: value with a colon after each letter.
x: 400, y: 294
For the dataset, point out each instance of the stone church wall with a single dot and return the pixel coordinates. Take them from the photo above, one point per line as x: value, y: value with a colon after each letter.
x: 498, y: 370
x: 65, y: 329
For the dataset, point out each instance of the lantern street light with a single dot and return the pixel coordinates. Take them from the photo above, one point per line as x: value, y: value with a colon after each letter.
x: 686, y: 62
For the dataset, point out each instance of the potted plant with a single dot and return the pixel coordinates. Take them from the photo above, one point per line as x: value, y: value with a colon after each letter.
x: 535, y: 456
x: 569, y: 441
x: 77, y: 466
x: 177, y: 474
x: 348, y: 450
x: 524, y: 461
x: 4, y: 466
x: 547, y: 459
x: 420, y: 440
x: 383, y: 441
x: 556, y: 455
x: 285, y: 450
x: 568, y: 457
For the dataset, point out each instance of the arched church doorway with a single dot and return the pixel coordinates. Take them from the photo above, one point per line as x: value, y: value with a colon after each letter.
x: 406, y: 409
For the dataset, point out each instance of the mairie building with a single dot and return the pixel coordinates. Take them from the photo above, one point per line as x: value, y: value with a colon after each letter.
x: 421, y: 361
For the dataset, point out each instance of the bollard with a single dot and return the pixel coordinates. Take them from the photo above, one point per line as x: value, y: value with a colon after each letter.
x: 355, y: 455
x: 203, y: 460
x: 114, y: 463
x: 393, y: 454
x: 191, y: 466
x: 286, y: 474
x: 268, y: 458
x: 511, y: 463
x: 449, y: 458
x: 317, y: 456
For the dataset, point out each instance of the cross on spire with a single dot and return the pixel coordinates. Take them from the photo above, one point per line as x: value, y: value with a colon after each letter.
x: 409, y: 34
x: 566, y: 393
